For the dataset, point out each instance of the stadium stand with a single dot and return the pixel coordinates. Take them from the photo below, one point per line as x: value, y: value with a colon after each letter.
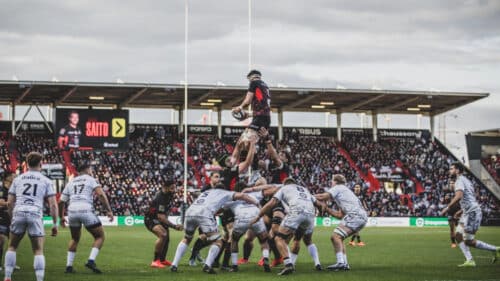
x: 492, y: 164
x: 5, y: 164
x: 400, y: 176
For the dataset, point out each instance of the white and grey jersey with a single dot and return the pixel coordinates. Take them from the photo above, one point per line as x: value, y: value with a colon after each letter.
x: 297, y: 198
x: 79, y: 192
x: 30, y: 190
x: 243, y: 209
x: 468, y: 202
x: 346, y: 200
x: 209, y: 202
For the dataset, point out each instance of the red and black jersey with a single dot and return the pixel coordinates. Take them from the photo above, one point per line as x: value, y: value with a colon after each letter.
x: 261, y: 102
x: 280, y: 173
x: 160, y: 205
x: 230, y: 177
x: 72, y: 136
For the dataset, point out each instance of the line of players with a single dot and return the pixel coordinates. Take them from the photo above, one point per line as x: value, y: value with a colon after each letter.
x: 21, y: 210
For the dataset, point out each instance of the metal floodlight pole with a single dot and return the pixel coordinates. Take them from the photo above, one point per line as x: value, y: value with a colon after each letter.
x: 250, y: 58
x: 186, y: 12
x: 249, y: 34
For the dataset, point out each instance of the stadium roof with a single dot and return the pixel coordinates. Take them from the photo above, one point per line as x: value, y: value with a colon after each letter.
x: 486, y: 133
x: 145, y: 95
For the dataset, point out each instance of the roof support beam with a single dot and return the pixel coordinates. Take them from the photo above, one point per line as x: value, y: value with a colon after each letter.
x: 23, y: 95
x: 301, y: 101
x: 133, y: 97
x: 66, y: 96
x: 233, y: 101
x: 363, y: 102
x: 203, y: 97
x: 405, y: 102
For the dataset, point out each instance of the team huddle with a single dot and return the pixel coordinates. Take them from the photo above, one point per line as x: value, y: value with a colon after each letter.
x: 276, y: 213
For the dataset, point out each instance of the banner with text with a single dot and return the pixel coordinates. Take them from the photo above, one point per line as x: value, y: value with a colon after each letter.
x: 421, y: 222
x: 320, y: 221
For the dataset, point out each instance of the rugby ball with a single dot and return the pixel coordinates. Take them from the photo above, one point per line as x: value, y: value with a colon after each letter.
x: 240, y: 115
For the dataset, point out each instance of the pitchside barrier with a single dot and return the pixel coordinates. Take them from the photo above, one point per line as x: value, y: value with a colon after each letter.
x: 320, y: 221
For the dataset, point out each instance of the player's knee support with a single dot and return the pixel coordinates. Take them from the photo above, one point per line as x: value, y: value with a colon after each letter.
x: 468, y: 238
x: 342, y: 233
x: 214, y: 237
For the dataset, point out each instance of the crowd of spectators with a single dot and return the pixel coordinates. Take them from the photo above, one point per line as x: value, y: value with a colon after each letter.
x: 426, y: 161
x: 492, y: 164
x: 131, y: 178
x: 43, y: 143
x: 4, y: 153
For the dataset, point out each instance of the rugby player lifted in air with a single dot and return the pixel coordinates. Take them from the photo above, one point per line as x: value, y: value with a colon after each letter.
x: 259, y: 97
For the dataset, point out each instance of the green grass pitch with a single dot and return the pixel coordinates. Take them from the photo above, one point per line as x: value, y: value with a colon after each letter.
x: 390, y: 254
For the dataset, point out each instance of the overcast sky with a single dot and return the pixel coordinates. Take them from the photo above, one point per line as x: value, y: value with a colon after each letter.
x: 412, y: 45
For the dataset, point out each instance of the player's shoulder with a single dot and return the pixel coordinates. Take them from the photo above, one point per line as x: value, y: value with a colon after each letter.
x: 89, y: 178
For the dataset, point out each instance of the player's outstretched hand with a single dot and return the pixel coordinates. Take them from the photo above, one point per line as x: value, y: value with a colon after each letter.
x: 110, y: 216
x: 443, y: 212
x: 236, y: 109
x: 54, y: 231
x: 179, y: 227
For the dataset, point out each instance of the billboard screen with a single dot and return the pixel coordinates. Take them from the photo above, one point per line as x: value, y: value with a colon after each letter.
x: 92, y: 129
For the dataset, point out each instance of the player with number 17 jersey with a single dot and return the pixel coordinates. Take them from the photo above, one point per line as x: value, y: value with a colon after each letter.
x: 79, y: 192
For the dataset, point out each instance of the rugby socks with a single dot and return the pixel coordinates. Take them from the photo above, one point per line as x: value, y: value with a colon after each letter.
x: 93, y: 254
x: 247, y: 249
x: 345, y: 259
x: 485, y: 246
x: 340, y: 257
x: 452, y: 238
x: 212, y: 254
x: 293, y: 258
x: 198, y: 245
x: 39, y: 265
x: 181, y: 249
x: 359, y: 238
x: 164, y: 250
x: 465, y: 250
x: 10, y: 263
x: 219, y: 254
x: 70, y: 258
x: 313, y: 251
x: 227, y: 254
x: 265, y: 253
x: 234, y: 258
